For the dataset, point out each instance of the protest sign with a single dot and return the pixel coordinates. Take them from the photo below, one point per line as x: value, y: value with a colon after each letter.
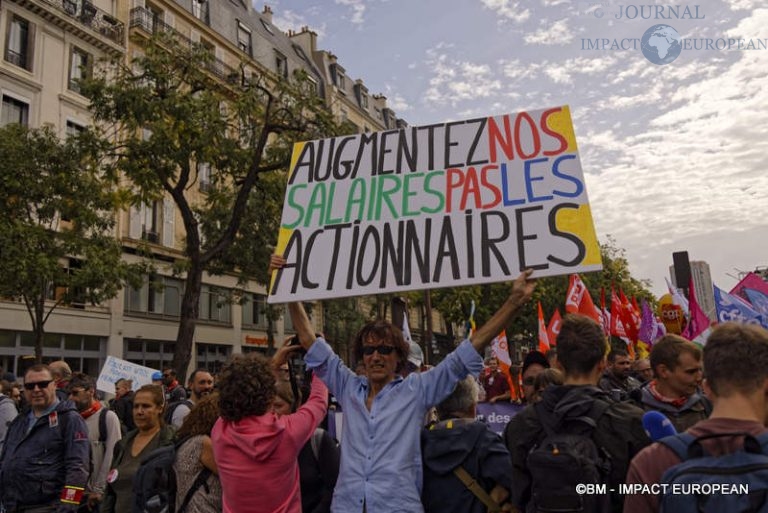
x: 442, y: 205
x: 115, y: 368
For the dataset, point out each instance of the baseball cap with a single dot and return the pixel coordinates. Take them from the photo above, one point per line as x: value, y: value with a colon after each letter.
x: 415, y: 354
x: 157, y: 376
x: 535, y: 357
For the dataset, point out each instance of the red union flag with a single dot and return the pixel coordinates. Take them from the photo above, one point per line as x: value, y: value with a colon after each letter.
x: 554, y: 327
x: 579, y: 301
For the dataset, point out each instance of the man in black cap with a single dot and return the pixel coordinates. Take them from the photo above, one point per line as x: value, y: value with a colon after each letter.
x: 534, y: 363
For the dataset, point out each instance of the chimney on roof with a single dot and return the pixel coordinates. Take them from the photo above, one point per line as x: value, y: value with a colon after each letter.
x: 267, y: 13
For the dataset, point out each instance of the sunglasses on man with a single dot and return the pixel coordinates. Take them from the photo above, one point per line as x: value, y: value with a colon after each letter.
x: 383, y: 350
x: 42, y: 385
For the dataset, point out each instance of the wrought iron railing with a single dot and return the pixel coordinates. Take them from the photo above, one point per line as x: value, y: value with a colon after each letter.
x: 147, y: 21
x: 92, y: 17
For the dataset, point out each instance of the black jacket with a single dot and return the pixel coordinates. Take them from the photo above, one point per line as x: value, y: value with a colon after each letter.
x: 37, y: 465
x: 460, y: 442
x: 619, y: 431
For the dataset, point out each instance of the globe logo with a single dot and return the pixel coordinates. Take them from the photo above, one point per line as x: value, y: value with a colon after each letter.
x: 661, y: 44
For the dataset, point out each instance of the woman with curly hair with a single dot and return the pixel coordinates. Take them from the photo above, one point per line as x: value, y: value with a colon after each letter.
x: 257, y: 450
x: 194, y: 460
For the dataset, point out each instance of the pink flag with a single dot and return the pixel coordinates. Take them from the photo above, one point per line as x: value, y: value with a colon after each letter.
x: 698, y: 321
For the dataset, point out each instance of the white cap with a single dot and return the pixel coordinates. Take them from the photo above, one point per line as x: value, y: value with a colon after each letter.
x: 415, y: 354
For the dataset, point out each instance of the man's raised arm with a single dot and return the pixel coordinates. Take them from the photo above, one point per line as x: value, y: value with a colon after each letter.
x: 522, y: 288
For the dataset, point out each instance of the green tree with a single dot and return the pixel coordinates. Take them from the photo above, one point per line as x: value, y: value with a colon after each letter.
x: 57, y: 245
x: 173, y: 118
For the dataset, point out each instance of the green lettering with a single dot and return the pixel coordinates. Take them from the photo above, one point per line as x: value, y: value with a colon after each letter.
x: 408, y: 193
x: 297, y: 206
x: 385, y: 193
x: 316, y: 202
x: 356, y: 197
x: 434, y: 192
x: 329, y: 207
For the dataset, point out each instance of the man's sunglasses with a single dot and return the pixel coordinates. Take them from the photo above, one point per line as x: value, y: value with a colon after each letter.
x: 383, y: 350
x: 39, y: 384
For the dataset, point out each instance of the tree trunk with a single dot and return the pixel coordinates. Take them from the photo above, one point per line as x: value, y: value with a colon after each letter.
x: 190, y: 312
x: 38, y: 327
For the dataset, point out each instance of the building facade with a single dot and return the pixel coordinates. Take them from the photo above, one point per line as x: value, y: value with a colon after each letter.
x: 702, y: 285
x: 47, y: 45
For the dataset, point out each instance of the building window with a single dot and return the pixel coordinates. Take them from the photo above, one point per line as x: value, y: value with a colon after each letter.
x: 156, y: 19
x: 364, y: 101
x: 155, y: 354
x: 341, y: 83
x: 74, y: 129
x: 19, y: 42
x: 212, y: 357
x: 201, y: 11
x: 204, y: 176
x: 267, y: 26
x: 151, y: 221
x: 215, y: 305
x: 14, y: 111
x: 80, y: 67
x: 244, y: 39
x: 281, y: 64
x: 254, y: 311
x: 158, y: 295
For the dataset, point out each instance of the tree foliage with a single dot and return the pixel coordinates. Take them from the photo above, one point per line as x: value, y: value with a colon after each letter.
x: 170, y: 116
x: 57, y: 243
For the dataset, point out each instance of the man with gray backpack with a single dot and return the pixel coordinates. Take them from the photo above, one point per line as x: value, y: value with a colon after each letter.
x: 709, y: 467
x: 576, y: 435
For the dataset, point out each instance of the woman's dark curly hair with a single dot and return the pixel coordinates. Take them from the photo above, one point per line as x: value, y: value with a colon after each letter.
x: 246, y: 387
x: 201, y: 418
x: 387, y: 333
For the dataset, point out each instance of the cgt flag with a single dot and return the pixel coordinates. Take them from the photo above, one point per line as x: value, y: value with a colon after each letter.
x: 579, y: 301
x: 553, y: 328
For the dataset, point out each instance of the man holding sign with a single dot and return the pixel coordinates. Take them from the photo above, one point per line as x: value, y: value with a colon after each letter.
x: 383, y: 412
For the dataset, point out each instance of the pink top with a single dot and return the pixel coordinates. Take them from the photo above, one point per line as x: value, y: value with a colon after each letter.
x: 258, y: 456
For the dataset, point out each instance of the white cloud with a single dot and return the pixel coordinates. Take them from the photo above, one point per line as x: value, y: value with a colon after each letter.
x: 556, y: 34
x: 358, y: 10
x: 508, y: 10
x: 454, y: 80
x: 396, y: 101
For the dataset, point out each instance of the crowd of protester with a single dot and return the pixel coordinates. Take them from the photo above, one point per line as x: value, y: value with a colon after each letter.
x: 249, y: 439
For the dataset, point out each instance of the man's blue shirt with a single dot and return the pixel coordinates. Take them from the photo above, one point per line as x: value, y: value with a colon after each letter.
x: 380, y: 448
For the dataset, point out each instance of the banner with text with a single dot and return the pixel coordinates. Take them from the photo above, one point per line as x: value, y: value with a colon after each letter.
x: 442, y: 205
x: 115, y: 369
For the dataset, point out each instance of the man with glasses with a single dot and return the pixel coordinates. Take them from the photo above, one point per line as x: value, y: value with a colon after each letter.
x: 45, y: 459
x: 381, y: 467
x: 103, y: 434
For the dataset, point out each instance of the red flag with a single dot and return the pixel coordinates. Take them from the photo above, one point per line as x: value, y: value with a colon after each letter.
x: 606, y: 313
x: 553, y: 328
x: 578, y: 300
x: 617, y: 324
x: 543, y: 338
x: 500, y: 349
x: 629, y: 318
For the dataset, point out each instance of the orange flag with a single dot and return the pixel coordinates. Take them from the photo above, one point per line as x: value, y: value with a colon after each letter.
x: 543, y: 337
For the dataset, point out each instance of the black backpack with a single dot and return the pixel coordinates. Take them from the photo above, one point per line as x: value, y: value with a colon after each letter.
x: 172, y: 409
x: 154, y: 486
x: 567, y: 456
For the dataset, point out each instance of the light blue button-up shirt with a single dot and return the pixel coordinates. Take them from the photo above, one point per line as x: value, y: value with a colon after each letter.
x: 380, y: 448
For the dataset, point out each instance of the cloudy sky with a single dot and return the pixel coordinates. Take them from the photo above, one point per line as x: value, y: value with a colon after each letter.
x: 675, y: 156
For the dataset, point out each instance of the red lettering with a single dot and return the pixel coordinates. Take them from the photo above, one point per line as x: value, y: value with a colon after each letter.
x: 490, y: 186
x: 534, y: 135
x: 471, y: 186
x: 453, y: 180
x: 552, y: 133
x: 503, y: 140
